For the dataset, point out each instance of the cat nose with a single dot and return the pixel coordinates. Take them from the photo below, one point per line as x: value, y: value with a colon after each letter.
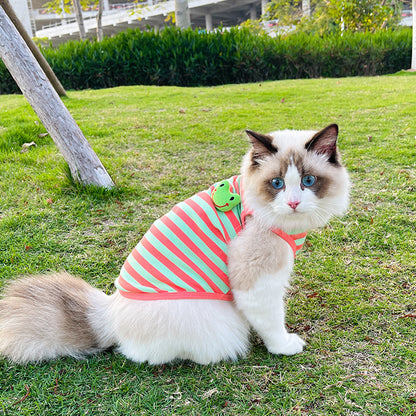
x: 293, y: 204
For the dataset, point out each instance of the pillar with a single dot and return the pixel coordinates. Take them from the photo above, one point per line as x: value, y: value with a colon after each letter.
x: 208, y: 22
x: 253, y: 13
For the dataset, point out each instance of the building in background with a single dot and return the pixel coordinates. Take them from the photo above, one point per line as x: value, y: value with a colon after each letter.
x: 119, y: 15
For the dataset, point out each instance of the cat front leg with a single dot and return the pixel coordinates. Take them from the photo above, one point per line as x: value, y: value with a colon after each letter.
x: 259, y: 266
x: 263, y: 306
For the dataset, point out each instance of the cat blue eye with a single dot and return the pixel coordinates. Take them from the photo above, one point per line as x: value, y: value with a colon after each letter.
x: 278, y: 183
x: 308, y: 180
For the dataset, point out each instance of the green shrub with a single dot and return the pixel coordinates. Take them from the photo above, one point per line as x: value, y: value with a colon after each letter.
x: 190, y: 58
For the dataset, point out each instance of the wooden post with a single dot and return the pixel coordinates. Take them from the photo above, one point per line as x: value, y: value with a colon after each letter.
x: 34, y: 49
x: 83, y: 163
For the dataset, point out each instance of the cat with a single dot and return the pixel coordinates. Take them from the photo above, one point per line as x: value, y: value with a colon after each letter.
x: 291, y: 181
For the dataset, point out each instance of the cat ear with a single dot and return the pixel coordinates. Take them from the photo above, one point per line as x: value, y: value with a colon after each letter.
x: 262, y: 146
x: 325, y: 143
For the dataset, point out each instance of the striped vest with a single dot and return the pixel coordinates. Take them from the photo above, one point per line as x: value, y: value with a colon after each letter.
x: 184, y: 253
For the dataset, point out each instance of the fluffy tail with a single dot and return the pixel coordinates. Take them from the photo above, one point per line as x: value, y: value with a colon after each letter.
x: 44, y: 317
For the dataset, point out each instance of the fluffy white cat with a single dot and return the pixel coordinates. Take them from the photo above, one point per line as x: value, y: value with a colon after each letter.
x: 163, y: 309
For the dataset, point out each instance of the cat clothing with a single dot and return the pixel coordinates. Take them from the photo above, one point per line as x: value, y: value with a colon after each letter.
x: 184, y: 253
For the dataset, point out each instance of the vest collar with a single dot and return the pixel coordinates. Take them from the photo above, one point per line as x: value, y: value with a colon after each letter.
x: 294, y: 240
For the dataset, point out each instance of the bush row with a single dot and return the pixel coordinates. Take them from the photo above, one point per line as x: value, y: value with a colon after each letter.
x: 190, y: 58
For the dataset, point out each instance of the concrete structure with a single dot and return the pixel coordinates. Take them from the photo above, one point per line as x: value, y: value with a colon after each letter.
x: 117, y: 17
x: 406, y: 18
x: 22, y: 10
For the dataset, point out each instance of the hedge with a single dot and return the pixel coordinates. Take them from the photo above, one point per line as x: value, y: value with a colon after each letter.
x: 190, y: 58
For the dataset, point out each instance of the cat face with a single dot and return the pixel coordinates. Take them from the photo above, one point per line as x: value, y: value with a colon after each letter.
x: 294, y: 180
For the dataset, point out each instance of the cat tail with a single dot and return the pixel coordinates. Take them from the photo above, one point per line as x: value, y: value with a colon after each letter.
x: 45, y: 317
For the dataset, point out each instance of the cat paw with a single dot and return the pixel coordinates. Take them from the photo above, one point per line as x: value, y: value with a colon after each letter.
x: 293, y: 344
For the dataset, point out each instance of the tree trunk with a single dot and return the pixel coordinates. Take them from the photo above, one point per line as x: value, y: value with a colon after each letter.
x: 34, y: 49
x: 306, y: 8
x: 182, y: 15
x: 264, y: 4
x: 413, y: 66
x: 80, y: 19
x: 83, y: 163
x: 99, y: 20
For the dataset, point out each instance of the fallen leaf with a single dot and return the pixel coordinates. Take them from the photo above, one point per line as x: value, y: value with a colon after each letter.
x: 209, y: 393
x: 371, y: 341
x: 24, y: 397
x: 27, y: 146
x: 43, y: 135
x: 313, y: 295
x: 408, y: 315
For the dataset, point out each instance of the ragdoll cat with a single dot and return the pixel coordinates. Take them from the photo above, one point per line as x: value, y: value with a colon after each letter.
x: 217, y: 265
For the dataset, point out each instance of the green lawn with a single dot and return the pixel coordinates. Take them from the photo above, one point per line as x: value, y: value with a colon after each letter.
x: 354, y: 290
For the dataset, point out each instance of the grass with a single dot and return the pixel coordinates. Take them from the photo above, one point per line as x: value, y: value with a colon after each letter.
x: 353, y: 296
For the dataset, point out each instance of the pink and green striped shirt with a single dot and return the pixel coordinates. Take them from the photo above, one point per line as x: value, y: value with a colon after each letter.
x: 184, y: 253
